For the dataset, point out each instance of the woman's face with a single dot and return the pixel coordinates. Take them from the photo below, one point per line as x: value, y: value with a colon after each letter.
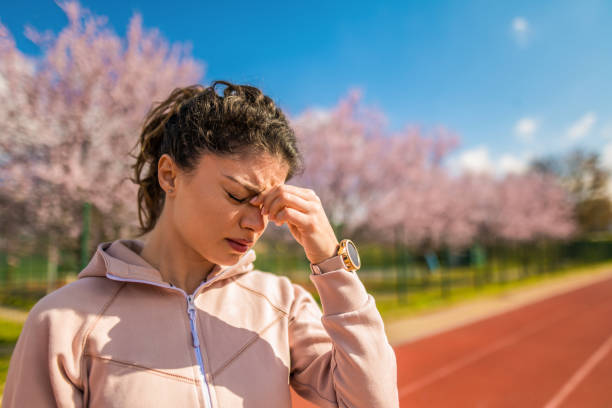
x: 211, y: 210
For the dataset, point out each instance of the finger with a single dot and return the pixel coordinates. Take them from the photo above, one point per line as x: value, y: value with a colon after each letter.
x: 306, y: 193
x: 259, y: 198
x: 286, y: 199
x: 267, y: 197
x: 256, y: 200
x: 294, y: 217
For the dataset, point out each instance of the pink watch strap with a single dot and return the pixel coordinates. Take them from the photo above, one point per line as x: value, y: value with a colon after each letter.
x: 330, y: 264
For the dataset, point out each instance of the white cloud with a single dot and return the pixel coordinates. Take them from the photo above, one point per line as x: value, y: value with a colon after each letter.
x: 520, y: 29
x: 580, y: 128
x: 525, y: 128
x: 511, y: 164
x: 606, y: 156
x: 520, y: 25
x: 479, y: 160
x: 475, y: 160
x: 312, y: 118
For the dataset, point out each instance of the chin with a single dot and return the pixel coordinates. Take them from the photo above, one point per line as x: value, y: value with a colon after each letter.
x: 224, y: 255
x: 230, y: 260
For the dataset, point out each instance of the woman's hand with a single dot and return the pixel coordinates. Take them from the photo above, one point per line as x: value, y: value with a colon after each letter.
x: 301, y: 209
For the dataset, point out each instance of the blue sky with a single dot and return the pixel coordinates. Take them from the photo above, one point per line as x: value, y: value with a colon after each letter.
x: 514, y: 79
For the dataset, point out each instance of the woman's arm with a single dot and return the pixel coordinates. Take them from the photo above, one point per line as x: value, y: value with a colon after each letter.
x: 42, y: 371
x: 341, y: 358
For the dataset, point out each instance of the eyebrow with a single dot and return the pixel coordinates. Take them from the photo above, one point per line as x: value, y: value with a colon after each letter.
x: 252, y: 188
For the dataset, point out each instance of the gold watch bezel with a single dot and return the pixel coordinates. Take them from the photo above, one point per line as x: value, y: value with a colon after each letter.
x: 346, y: 259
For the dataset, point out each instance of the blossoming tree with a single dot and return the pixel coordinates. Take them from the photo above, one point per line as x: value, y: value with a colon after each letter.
x: 70, y: 117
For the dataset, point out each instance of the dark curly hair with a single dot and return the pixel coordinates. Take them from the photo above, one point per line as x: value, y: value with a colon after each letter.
x: 195, y: 120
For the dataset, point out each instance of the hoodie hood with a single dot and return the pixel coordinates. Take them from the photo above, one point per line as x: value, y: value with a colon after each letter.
x: 121, y: 259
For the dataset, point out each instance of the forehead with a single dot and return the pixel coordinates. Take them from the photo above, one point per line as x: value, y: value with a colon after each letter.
x: 260, y: 170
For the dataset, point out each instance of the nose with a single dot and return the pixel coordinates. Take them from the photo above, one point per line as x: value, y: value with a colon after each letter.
x: 253, y: 220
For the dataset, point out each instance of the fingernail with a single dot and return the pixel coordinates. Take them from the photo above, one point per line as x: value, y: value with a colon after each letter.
x: 253, y: 200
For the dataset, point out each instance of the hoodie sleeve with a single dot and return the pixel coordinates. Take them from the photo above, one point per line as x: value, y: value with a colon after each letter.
x: 41, y: 373
x: 341, y: 358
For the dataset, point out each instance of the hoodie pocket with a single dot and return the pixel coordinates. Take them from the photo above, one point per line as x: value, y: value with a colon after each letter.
x: 114, y: 383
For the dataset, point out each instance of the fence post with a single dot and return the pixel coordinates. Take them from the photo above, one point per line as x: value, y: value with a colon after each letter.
x: 477, y: 262
x: 446, y: 284
x: 52, y: 261
x: 398, y: 270
x: 401, y: 259
x: 85, y: 235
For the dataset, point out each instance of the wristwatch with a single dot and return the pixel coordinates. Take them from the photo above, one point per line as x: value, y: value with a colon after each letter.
x: 348, y: 251
x: 347, y: 257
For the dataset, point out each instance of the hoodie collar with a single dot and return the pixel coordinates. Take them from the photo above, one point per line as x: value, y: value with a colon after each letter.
x: 121, y: 259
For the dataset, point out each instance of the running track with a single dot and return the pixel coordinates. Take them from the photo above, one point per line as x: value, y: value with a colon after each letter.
x: 552, y: 353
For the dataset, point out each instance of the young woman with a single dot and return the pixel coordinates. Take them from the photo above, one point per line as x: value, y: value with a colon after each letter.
x: 182, y: 319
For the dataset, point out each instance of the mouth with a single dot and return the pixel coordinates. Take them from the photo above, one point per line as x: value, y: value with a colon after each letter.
x: 239, y: 245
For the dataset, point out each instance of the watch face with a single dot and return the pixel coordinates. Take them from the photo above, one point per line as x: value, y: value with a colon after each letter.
x: 353, y: 254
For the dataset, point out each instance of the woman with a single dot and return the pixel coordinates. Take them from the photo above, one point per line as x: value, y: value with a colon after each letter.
x: 182, y: 319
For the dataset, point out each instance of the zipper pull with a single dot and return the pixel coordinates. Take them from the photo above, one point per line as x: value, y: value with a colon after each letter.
x: 192, y: 322
x: 190, y: 305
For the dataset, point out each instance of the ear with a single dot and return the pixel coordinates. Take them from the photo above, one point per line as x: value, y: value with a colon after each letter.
x: 166, y: 174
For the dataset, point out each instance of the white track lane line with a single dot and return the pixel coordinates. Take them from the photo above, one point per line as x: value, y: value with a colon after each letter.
x: 471, y: 358
x: 580, y: 374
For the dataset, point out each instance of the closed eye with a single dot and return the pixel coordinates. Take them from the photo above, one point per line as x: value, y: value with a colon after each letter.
x: 239, y: 200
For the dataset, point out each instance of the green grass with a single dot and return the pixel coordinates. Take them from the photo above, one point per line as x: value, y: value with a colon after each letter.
x: 9, y: 332
x: 392, y: 307
x: 4, y: 365
x: 22, y: 301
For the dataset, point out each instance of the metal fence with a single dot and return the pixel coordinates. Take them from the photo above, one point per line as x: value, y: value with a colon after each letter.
x: 391, y: 270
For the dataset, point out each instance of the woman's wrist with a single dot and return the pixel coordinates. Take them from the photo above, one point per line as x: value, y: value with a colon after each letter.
x: 333, y: 263
x: 323, y: 256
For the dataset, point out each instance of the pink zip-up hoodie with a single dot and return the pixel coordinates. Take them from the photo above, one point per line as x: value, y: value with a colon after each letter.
x: 120, y: 336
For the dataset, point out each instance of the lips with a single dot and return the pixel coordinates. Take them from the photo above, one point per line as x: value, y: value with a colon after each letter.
x: 239, y: 245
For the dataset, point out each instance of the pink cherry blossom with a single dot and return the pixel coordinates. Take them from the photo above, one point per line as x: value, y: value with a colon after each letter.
x: 70, y: 117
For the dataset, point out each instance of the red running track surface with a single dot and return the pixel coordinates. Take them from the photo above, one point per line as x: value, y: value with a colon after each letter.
x: 552, y: 353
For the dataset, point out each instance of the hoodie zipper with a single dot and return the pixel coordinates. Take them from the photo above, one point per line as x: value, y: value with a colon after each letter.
x: 196, y: 345
x: 191, y: 314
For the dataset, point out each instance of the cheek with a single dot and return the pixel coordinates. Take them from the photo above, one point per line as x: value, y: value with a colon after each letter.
x: 206, y: 216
